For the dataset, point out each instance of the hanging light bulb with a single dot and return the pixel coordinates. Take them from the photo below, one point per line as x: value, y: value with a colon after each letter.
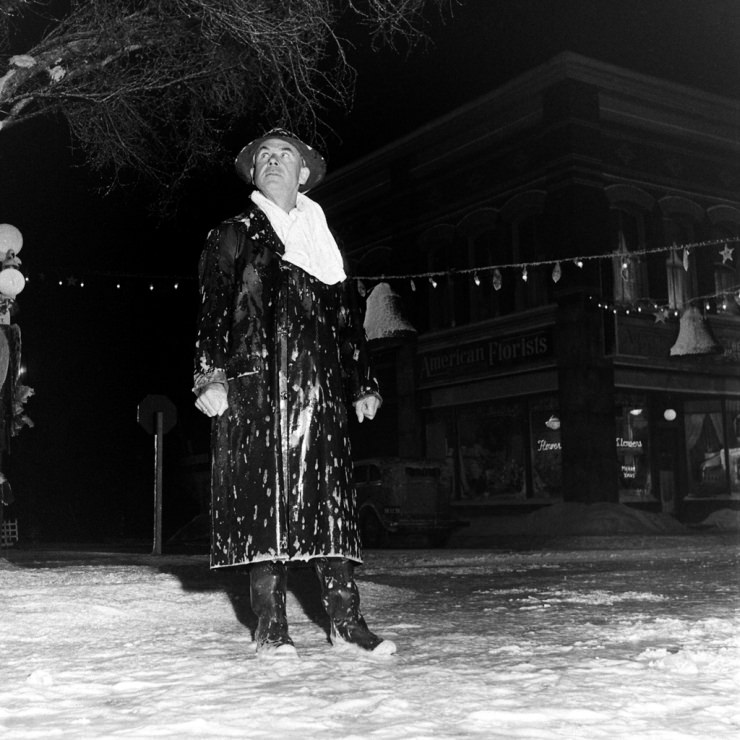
x: 413, y: 285
x: 524, y: 273
x: 578, y: 262
x: 497, y: 281
x: 686, y: 259
x: 476, y: 279
x: 556, y: 272
x: 433, y: 282
x: 151, y: 286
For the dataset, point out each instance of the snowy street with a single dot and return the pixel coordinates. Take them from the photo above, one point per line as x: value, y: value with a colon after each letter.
x: 595, y: 637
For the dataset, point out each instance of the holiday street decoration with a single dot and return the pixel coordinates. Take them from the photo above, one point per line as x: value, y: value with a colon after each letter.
x: 13, y: 393
x: 384, y: 320
x: 661, y: 315
x: 12, y: 281
x: 494, y: 275
x: 693, y: 335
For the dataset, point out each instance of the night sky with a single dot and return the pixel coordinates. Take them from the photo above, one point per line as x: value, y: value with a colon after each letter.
x: 488, y: 42
x: 93, y: 352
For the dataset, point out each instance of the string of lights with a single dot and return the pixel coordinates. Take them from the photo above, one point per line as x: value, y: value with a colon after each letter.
x: 663, y: 312
x: 493, y: 272
x: 578, y: 261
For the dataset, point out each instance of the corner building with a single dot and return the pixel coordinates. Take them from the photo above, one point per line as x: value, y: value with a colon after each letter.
x: 566, y: 248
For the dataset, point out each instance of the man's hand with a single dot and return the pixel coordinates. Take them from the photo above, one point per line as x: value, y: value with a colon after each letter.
x: 213, y: 400
x: 366, y: 407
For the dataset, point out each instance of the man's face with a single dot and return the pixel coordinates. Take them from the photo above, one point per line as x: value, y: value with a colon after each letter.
x: 278, y: 169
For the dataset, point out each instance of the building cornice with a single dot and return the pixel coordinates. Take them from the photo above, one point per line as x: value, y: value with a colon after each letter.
x: 626, y: 98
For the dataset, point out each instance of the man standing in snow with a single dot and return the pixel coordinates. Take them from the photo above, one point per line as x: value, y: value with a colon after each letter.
x: 280, y: 356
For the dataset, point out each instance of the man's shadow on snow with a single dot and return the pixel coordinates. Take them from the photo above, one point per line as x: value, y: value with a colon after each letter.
x: 303, y: 584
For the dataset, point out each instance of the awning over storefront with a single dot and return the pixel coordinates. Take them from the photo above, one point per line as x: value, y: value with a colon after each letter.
x: 677, y: 381
x: 488, y: 389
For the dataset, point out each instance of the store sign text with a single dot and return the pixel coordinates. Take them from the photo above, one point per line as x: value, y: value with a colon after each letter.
x: 490, y: 354
x: 629, y: 471
x: 629, y: 445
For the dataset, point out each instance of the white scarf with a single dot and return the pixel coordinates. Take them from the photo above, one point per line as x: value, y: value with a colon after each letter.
x: 306, y: 236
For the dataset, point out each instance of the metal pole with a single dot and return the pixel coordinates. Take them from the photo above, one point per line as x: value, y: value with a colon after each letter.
x: 158, y: 440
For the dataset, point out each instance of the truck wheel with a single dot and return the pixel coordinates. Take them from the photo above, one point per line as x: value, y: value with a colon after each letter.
x: 372, y: 531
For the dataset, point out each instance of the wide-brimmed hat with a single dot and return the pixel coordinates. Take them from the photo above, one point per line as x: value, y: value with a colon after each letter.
x: 314, y: 161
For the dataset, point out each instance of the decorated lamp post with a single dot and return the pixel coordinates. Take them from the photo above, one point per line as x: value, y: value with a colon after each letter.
x: 13, y: 394
x: 12, y: 281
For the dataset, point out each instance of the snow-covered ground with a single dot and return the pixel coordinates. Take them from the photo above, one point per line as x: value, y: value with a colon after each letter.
x: 635, y: 635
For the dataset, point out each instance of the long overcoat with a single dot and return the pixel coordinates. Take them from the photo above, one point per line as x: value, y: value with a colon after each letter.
x: 291, y: 351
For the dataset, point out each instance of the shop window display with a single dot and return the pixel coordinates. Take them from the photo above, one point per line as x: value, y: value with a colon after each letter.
x: 546, y: 449
x: 491, y: 449
x: 733, y: 450
x: 632, y: 445
x: 712, y: 448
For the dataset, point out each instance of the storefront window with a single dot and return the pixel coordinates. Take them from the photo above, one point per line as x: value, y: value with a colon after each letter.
x: 440, y: 442
x: 546, y: 450
x: 633, y: 449
x: 707, y: 458
x: 491, y: 449
x: 733, y: 442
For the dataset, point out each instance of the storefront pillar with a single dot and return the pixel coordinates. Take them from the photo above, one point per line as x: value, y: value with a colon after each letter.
x: 586, y: 397
x: 410, y: 429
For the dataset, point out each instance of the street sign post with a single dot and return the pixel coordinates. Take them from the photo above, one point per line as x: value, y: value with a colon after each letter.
x: 157, y: 415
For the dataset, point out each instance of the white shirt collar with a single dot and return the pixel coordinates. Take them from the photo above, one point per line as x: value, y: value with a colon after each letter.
x: 308, y: 242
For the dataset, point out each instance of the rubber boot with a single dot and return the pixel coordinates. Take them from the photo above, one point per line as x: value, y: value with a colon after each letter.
x: 341, y: 599
x: 267, y: 586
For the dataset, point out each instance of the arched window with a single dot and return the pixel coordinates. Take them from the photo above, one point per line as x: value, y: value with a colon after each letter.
x: 629, y: 208
x: 524, y: 244
x: 477, y: 232
x: 681, y: 218
x: 725, y: 224
x: 437, y: 244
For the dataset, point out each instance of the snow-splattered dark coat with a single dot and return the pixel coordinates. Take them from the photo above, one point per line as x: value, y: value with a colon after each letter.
x: 292, y: 352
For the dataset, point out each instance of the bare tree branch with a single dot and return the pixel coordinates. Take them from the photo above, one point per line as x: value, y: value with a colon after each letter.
x: 152, y: 88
